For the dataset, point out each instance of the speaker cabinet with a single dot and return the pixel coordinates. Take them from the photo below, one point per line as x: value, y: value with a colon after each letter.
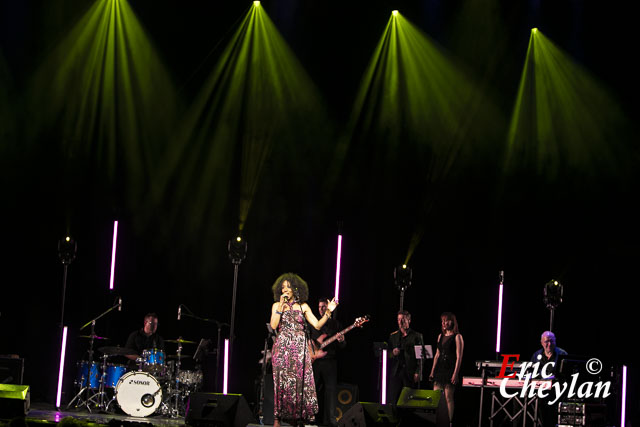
x: 369, y: 414
x: 346, y: 397
x: 15, y: 400
x: 219, y: 410
x: 423, y: 407
x: 11, y: 370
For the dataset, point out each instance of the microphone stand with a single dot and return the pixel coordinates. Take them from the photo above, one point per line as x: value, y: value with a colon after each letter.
x: 219, y: 325
x: 304, y: 370
x: 270, y: 333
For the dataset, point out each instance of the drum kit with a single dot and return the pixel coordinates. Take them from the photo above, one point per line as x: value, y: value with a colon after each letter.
x: 159, y: 385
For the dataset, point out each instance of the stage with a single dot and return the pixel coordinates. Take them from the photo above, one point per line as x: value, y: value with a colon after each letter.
x: 47, y: 414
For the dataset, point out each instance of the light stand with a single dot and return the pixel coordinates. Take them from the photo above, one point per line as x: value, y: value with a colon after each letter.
x: 67, y: 251
x: 402, y: 279
x: 237, y: 253
x: 552, y: 299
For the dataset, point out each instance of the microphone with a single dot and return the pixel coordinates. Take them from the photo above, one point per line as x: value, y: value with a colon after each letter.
x: 119, y: 303
x: 179, y: 311
x: 501, y: 276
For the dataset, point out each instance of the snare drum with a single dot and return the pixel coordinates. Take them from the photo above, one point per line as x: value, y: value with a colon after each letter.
x: 138, y: 394
x: 153, y: 361
x: 84, y: 374
x: 113, y: 374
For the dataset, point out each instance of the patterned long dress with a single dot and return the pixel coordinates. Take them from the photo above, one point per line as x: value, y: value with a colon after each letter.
x: 291, y: 369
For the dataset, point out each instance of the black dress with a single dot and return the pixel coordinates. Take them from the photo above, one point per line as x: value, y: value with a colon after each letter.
x: 447, y: 360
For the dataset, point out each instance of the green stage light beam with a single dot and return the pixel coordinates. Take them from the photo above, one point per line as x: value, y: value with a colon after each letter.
x: 105, y: 93
x: 414, y: 97
x: 563, y: 119
x: 257, y: 101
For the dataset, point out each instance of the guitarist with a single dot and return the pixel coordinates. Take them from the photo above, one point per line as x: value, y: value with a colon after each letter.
x: 325, y: 367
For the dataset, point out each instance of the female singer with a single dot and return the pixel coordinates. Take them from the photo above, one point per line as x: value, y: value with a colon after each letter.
x: 446, y: 363
x: 294, y: 389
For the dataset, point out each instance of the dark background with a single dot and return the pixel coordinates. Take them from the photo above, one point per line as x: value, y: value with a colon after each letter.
x: 581, y: 230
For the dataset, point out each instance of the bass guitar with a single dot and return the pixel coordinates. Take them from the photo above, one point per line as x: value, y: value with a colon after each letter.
x: 316, y: 346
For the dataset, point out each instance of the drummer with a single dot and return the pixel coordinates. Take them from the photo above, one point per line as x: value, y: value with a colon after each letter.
x: 145, y: 338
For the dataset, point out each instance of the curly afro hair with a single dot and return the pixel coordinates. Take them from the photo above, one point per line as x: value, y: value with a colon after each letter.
x: 298, y: 285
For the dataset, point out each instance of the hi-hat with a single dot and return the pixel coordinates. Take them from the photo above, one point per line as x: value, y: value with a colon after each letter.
x: 94, y: 337
x: 181, y: 341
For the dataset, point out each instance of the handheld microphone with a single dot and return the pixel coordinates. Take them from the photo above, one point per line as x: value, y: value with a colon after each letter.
x: 179, y: 311
x: 119, y: 303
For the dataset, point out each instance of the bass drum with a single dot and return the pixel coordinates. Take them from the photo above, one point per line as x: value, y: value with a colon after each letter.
x: 138, y: 394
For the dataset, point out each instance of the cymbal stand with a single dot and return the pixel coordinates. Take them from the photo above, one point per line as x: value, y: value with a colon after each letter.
x: 173, y: 403
x: 97, y: 398
x: 176, y: 396
x: 84, y: 396
x: 100, y: 396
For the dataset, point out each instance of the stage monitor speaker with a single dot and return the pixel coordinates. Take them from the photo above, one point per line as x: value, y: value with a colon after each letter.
x: 369, y: 414
x: 11, y: 370
x: 219, y: 410
x: 347, y: 396
x: 15, y: 400
x: 422, y: 407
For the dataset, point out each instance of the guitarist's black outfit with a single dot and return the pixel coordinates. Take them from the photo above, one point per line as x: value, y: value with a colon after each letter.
x: 325, y: 373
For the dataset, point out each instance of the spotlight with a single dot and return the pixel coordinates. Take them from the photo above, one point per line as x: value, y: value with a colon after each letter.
x: 534, y: 30
x: 67, y: 250
x: 552, y: 294
x: 256, y: 3
x: 402, y: 276
x: 237, y: 250
x: 394, y: 13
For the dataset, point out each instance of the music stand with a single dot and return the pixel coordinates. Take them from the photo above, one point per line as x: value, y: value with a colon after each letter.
x: 423, y: 352
x: 202, y: 350
x: 428, y: 351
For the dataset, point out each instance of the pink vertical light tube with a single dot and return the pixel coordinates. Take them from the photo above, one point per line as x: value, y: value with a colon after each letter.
x: 63, y: 351
x: 338, y: 265
x: 623, y: 409
x: 383, y: 388
x: 499, y: 328
x: 113, y: 253
x: 225, y: 380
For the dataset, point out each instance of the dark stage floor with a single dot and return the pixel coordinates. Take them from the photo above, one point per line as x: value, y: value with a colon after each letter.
x: 45, y: 414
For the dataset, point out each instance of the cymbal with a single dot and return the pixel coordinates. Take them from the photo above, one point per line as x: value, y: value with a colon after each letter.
x: 181, y: 341
x: 116, y: 351
x: 175, y: 356
x: 93, y: 336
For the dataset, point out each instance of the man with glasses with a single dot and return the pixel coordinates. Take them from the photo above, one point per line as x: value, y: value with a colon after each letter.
x: 145, y: 338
